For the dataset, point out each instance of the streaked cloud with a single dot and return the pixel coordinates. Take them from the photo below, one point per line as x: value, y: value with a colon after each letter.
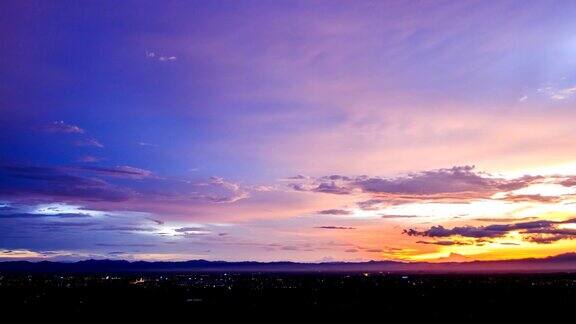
x: 89, y: 142
x: 160, y: 57
x: 329, y: 227
x: 558, y: 93
x: 334, y: 212
x: 123, y: 171
x: 90, y: 159
x: 224, y: 191
x: 62, y: 127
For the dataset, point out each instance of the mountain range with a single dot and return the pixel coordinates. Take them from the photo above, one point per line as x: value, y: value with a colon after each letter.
x: 560, y: 263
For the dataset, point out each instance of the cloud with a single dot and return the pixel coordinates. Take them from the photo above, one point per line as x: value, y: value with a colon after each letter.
x: 159, y: 57
x: 443, y: 243
x: 568, y: 182
x: 60, y: 225
x: 454, y: 257
x: 334, y: 212
x: 371, y: 204
x: 126, y: 244
x: 535, y: 231
x: 400, y: 216
x: 90, y: 159
x: 221, y: 191
x: 189, y: 229
x: 456, y: 179
x: 62, y: 127
x: 466, y: 231
x: 125, y: 228
x: 49, y: 174
x: 55, y: 183
x: 548, y: 238
x: 297, y: 177
x: 335, y: 227
x: 456, y: 183
x: 6, y: 208
x: 120, y: 171
x: 157, y: 221
x: 147, y: 144
x: 558, y: 93
x: 504, y: 219
x: 534, y: 198
x: 167, y: 58
x: 99, y: 184
x: 38, y: 215
x: 331, y: 187
x: 192, y: 231
x: 22, y: 254
x: 89, y: 142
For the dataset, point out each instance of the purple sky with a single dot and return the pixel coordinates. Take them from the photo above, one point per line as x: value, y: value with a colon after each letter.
x: 287, y: 130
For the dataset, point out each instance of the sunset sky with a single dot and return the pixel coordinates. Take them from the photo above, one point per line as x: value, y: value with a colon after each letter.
x: 287, y: 130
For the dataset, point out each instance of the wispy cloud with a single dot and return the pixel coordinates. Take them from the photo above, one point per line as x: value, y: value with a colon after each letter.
x: 24, y: 216
x: 90, y: 159
x: 147, y: 144
x: 558, y: 93
x: 89, y: 142
x: 160, y: 57
x: 222, y: 191
x: 336, y: 227
x: 398, y: 216
x: 334, y: 212
x: 444, y: 243
x: 123, y: 171
x: 62, y: 127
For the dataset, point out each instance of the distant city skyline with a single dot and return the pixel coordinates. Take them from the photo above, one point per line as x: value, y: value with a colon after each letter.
x: 303, y: 131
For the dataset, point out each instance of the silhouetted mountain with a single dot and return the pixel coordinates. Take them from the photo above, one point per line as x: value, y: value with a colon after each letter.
x: 559, y: 263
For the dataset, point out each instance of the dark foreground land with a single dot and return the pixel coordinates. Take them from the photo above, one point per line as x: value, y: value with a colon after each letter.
x: 415, y: 296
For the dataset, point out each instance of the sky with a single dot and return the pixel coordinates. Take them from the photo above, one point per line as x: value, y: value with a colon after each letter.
x: 287, y: 130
